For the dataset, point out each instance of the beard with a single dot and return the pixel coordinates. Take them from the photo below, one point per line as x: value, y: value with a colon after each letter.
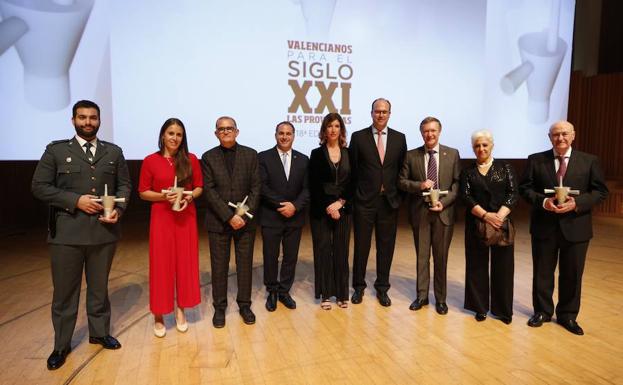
x: 87, y: 132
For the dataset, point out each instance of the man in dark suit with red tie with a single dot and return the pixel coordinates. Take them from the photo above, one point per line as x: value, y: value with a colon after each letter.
x: 376, y: 155
x: 285, y: 197
x: 560, y: 231
x: 230, y: 174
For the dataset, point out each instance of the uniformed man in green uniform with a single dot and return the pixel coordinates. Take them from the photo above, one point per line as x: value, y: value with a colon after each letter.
x: 70, y: 174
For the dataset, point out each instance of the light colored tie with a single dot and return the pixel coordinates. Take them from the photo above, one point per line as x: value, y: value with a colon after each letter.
x: 284, y: 158
x: 379, y: 146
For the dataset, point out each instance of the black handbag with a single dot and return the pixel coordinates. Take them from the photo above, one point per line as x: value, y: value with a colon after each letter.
x: 490, y: 236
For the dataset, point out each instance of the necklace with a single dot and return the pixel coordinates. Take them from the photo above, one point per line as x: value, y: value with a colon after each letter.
x: 485, y: 165
x: 169, y: 160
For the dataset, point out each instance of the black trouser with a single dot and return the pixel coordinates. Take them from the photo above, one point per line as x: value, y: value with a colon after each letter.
x: 331, y: 240
x: 68, y: 262
x: 383, y: 219
x: 289, y: 238
x: 220, y: 246
x: 570, y: 257
x: 478, y: 282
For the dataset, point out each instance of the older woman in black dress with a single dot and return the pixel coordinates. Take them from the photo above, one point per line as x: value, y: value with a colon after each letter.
x: 330, y: 211
x: 489, y: 189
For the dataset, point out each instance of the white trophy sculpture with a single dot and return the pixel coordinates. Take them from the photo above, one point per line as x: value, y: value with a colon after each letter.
x: 108, y: 201
x: 318, y: 15
x: 46, y: 35
x: 541, y: 56
x: 562, y: 192
x: 242, y: 208
x: 179, y: 191
x: 434, y: 195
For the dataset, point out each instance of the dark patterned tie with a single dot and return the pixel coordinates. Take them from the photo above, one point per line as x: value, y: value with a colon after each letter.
x: 87, y: 150
x: 562, y: 169
x: 431, y: 173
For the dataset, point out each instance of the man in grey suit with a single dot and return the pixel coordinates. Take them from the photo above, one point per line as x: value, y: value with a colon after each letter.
x: 285, y: 197
x: 431, y: 166
x: 560, y: 231
x: 70, y: 174
x: 230, y: 174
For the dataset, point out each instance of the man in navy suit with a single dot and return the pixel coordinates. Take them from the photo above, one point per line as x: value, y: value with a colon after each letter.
x: 284, y: 199
x: 376, y: 155
x: 560, y: 231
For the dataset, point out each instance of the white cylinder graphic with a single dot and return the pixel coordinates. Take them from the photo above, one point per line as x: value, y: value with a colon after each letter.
x: 533, y: 48
x: 512, y: 80
x: 318, y: 15
x: 11, y: 30
x: 47, y: 50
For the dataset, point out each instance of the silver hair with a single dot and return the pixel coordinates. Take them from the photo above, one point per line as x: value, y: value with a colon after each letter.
x: 482, y: 134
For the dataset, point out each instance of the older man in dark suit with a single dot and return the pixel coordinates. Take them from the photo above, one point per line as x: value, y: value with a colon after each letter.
x: 376, y: 156
x: 230, y: 174
x: 560, y: 231
x: 69, y: 176
x: 285, y: 197
x: 431, y: 166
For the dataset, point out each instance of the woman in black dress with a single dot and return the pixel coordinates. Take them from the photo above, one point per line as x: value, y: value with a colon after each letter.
x: 330, y: 212
x: 489, y: 189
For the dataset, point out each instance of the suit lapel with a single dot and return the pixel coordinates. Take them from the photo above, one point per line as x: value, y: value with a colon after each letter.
x: 443, y: 163
x: 570, y: 168
x: 372, y: 143
x: 101, y: 150
x: 278, y: 164
x: 222, y: 165
x: 420, y: 164
x: 550, y: 168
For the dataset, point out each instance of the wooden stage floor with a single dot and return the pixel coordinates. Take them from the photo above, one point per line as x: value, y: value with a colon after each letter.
x: 364, y: 344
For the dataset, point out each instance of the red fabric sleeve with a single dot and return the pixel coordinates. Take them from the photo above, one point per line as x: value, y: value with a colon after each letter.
x: 197, y: 175
x: 145, y: 181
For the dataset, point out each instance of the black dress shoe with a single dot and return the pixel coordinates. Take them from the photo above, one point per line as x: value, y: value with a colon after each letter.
x: 417, y: 304
x: 287, y: 300
x: 108, y: 342
x: 218, y: 320
x: 441, y: 308
x: 247, y: 315
x: 506, y: 320
x: 57, y: 359
x: 271, y: 301
x: 383, y: 298
x: 480, y: 317
x: 357, y: 296
x: 572, y: 326
x: 538, y: 319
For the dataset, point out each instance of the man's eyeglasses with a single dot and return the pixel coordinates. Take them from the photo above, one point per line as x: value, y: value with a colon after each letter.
x: 225, y: 129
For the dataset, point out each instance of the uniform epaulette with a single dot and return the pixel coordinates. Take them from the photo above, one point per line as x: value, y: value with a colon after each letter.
x: 105, y: 143
x: 52, y: 143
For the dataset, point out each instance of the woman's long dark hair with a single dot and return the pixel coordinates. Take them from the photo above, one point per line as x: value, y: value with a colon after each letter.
x: 183, y: 170
x: 328, y: 119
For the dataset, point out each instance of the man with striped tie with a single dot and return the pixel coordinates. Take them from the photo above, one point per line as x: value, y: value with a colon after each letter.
x: 431, y: 167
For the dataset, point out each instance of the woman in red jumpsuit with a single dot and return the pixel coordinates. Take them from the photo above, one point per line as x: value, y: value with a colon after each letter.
x: 173, y: 243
